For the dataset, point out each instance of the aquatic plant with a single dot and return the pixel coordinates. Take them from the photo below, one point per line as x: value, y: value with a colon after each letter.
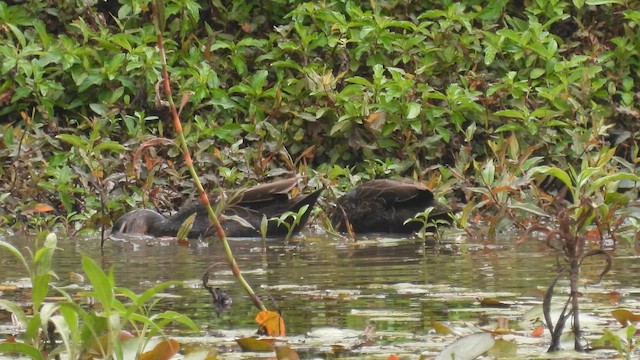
x: 120, y: 327
x: 591, y: 208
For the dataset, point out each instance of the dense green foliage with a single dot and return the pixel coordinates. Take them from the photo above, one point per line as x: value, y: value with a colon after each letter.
x: 480, y: 91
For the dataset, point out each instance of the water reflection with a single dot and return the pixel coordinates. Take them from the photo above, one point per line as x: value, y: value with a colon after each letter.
x: 397, y: 285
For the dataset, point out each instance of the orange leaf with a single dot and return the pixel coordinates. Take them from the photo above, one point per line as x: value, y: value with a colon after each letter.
x: 271, y: 323
x: 393, y: 357
x: 255, y: 344
x: 375, y: 121
x: 538, y: 331
x: 625, y: 316
x: 37, y: 208
x: 284, y: 352
x: 164, y: 350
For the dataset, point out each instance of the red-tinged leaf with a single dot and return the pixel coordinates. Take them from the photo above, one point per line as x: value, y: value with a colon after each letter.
x: 5, y: 97
x: 271, y: 323
x: 625, y: 316
x: 10, y: 339
x: 164, y: 350
x: 500, y: 189
x: 393, y: 357
x: 593, y: 235
x: 284, y: 352
x: 124, y: 335
x: 538, y: 331
x: 149, y: 143
x: 615, y: 296
x: 256, y: 344
x: 246, y: 27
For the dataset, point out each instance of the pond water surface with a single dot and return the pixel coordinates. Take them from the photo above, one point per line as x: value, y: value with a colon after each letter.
x: 331, y: 289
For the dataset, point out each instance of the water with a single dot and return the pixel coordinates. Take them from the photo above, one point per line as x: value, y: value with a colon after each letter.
x: 397, y: 286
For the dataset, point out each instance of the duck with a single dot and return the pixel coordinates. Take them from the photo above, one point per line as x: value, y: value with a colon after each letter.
x: 242, y: 217
x: 385, y: 205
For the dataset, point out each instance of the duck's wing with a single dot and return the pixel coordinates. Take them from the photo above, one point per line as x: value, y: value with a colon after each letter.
x: 395, y: 192
x: 274, y: 191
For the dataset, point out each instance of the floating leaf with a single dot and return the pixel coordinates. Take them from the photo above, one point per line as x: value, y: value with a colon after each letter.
x: 625, y: 316
x: 256, y: 344
x: 468, y: 347
x: 441, y: 328
x: 538, y: 331
x: 504, y: 349
x: 164, y: 350
x: 284, y: 352
x: 271, y: 323
x: 491, y: 302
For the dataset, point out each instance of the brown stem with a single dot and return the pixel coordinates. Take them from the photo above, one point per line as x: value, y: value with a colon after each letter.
x: 574, y: 277
x: 204, y: 199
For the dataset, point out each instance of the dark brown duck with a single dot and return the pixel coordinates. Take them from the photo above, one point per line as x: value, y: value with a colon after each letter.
x: 383, y: 206
x: 270, y: 200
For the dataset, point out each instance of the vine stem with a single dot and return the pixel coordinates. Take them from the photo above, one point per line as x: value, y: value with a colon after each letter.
x: 204, y: 199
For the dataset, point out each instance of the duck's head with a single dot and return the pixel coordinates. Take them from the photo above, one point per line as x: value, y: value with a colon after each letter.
x: 138, y: 222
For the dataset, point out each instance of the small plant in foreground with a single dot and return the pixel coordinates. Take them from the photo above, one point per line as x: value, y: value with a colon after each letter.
x: 595, y: 208
x: 118, y: 330
x: 291, y: 225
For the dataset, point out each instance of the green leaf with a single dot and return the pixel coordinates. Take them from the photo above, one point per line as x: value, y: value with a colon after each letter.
x: 251, y: 42
x: 489, y: 54
x: 605, y: 180
x: 603, y: 2
x: 553, y: 171
x: 12, y: 249
x: 20, y: 348
x: 15, y: 309
x: 18, y: 34
x: 110, y: 145
x: 74, y: 140
x: 488, y: 173
x: 510, y: 127
x: 413, y: 110
x: 510, y: 113
x: 40, y: 289
x: 536, y: 73
x: 102, y: 284
x: 99, y: 109
x: 529, y: 207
